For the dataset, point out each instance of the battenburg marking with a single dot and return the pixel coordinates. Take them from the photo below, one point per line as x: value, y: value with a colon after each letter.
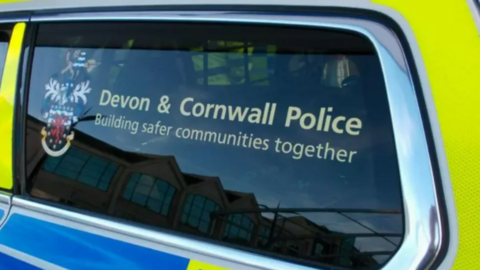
x: 64, y: 102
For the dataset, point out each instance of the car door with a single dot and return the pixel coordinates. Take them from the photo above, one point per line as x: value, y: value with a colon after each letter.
x: 222, y: 140
x: 12, y: 30
x: 6, y: 161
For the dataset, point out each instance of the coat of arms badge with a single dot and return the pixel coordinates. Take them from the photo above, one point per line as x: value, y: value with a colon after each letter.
x: 64, y: 102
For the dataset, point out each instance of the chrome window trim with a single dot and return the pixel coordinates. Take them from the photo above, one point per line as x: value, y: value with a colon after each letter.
x: 5, y: 206
x: 474, y: 6
x: 4, y: 198
x: 423, y: 230
x: 12, y: 19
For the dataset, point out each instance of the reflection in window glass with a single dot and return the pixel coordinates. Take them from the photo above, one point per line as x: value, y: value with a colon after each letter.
x: 239, y: 227
x: 5, y: 32
x: 197, y: 210
x: 278, y: 247
x: 234, y: 133
x: 82, y: 167
x: 263, y: 235
x: 293, y: 249
x: 154, y: 194
x: 318, y: 249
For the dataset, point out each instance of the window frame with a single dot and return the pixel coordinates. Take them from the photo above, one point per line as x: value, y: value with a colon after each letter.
x: 422, y: 235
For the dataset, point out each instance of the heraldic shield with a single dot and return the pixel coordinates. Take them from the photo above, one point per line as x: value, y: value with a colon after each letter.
x: 58, y: 132
x: 64, y: 102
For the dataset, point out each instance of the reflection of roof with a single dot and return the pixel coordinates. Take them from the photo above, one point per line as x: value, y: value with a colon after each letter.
x: 235, y: 195
x: 232, y: 196
x: 191, y: 180
x: 304, y: 222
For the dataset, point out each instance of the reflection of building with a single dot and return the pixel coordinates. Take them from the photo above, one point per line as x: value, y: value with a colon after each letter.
x: 153, y: 190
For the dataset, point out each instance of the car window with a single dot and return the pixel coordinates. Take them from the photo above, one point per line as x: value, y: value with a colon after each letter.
x: 276, y: 140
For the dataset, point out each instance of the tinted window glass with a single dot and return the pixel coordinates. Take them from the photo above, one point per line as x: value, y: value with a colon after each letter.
x: 83, y: 167
x: 271, y: 139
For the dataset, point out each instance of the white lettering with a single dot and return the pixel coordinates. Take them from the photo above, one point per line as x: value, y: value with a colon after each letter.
x: 293, y: 113
x: 324, y: 122
x: 124, y: 101
x: 354, y: 123
x: 98, y: 119
x: 304, y: 118
x: 217, y: 108
x: 200, y: 111
x: 255, y: 116
x: 182, y: 106
x: 237, y: 113
x: 132, y: 103
x: 227, y: 112
x: 335, y: 124
x: 114, y: 101
x: 102, y: 101
x: 323, y: 151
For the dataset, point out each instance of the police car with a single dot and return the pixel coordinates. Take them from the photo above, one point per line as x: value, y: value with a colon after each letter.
x: 209, y: 135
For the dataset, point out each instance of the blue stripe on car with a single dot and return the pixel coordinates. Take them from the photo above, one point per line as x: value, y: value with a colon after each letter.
x: 76, y: 249
x: 10, y: 263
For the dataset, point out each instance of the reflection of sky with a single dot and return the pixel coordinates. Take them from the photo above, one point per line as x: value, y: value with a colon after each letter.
x: 3, y: 54
x: 368, y: 182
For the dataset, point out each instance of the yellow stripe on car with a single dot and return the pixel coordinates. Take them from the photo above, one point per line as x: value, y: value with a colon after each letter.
x: 450, y: 50
x: 12, y: 1
x: 196, y: 265
x: 7, y: 101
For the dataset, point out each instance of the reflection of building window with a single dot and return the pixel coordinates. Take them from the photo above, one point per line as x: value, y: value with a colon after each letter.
x: 239, y: 227
x: 232, y: 63
x: 196, y: 212
x: 346, y: 250
x: 154, y: 194
x: 263, y: 234
x: 293, y: 249
x: 278, y: 246
x: 82, y: 167
x: 318, y: 249
x: 337, y: 69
